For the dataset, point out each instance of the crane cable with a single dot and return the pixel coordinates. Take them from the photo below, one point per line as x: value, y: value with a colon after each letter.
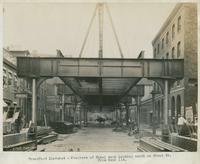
x: 114, y: 31
x: 113, y: 28
x: 88, y: 31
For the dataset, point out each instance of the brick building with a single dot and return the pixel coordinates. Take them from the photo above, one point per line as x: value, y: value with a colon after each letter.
x: 15, y: 90
x: 177, y: 38
x: 19, y: 90
x: 55, y: 90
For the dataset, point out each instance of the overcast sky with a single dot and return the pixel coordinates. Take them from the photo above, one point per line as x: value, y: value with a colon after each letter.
x: 46, y: 27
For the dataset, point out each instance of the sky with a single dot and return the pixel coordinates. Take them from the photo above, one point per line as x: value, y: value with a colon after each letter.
x: 44, y: 27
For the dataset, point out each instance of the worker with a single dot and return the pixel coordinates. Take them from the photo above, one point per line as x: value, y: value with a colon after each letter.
x: 173, y: 124
x: 181, y: 123
x: 130, y: 127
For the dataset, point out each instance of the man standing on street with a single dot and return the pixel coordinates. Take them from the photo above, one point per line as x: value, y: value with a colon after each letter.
x: 181, y: 123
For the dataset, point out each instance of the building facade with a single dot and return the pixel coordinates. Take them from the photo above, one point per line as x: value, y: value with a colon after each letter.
x: 17, y: 90
x: 177, y: 39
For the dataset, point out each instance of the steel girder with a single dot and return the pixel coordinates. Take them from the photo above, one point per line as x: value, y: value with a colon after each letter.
x: 102, y: 68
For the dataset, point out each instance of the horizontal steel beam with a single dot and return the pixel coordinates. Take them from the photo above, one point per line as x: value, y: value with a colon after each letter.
x: 90, y: 67
x: 137, y: 90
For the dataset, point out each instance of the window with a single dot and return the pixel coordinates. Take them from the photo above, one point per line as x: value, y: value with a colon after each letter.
x: 154, y: 52
x: 4, y: 78
x: 167, y: 55
x: 178, y: 49
x: 167, y: 38
x: 157, y: 87
x: 9, y: 78
x: 28, y: 85
x: 162, y: 43
x: 179, y: 24
x: 173, y: 31
x: 178, y: 82
x: 15, y: 80
x: 158, y: 49
x: 173, y: 51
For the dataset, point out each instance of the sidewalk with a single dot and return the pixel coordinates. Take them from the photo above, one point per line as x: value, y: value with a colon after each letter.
x: 147, y: 130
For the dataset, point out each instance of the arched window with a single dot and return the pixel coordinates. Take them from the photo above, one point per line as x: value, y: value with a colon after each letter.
x: 173, y: 31
x: 178, y: 49
x: 179, y: 24
x: 167, y: 38
x: 163, y: 43
x: 173, y: 53
x: 167, y: 55
x: 154, y: 52
x: 178, y: 104
x: 158, y: 49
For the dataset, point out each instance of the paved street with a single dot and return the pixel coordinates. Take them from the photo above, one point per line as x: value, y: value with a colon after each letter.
x: 93, y: 139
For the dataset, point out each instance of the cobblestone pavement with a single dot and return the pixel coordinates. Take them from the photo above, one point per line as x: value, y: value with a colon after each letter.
x: 92, y: 139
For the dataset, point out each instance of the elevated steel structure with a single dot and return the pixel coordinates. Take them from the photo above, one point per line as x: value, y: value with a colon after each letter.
x: 118, y: 76
x: 37, y: 67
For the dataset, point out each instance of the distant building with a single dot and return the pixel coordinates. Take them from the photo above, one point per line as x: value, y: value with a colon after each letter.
x: 55, y: 89
x: 177, y: 39
x: 53, y: 102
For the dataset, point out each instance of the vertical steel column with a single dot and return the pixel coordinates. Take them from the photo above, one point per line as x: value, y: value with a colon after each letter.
x: 74, y: 115
x: 26, y: 110
x: 120, y: 115
x: 80, y: 117
x: 154, y: 114
x: 63, y: 108
x: 138, y: 112
x: 127, y: 115
x: 116, y: 114
x: 34, y: 102
x: 166, y: 103
x: 100, y: 10
x: 86, y: 117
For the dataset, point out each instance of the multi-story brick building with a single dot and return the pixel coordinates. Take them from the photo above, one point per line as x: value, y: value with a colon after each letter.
x: 19, y: 90
x: 177, y: 39
x: 60, y: 97
x: 15, y: 90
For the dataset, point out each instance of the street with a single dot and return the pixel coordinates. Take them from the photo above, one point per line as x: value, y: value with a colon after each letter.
x: 92, y: 139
